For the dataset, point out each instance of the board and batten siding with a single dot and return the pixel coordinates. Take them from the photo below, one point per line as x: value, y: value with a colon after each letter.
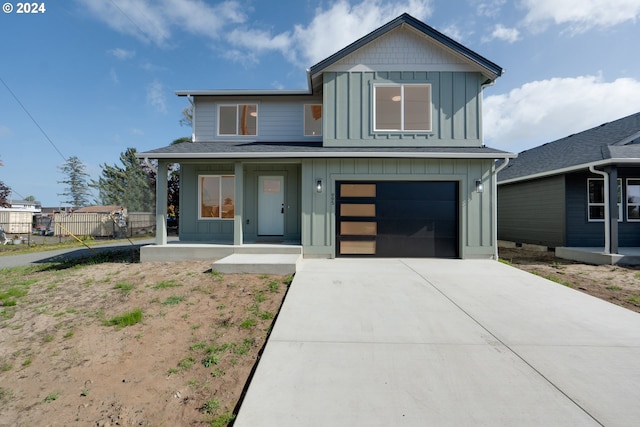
x: 533, y: 212
x: 455, y: 116
x: 279, y: 118
x: 475, y: 209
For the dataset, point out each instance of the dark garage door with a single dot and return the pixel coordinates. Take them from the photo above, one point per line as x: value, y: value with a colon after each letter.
x: 397, y: 219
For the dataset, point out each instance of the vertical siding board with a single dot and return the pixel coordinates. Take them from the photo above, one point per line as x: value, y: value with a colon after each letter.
x: 342, y: 106
x: 418, y: 167
x: 329, y: 101
x: 355, y: 105
x: 367, y: 107
x: 459, y: 102
x: 471, y: 106
x: 445, y: 95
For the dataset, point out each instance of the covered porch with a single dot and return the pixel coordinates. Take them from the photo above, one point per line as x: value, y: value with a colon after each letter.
x: 598, y: 256
x: 277, y: 259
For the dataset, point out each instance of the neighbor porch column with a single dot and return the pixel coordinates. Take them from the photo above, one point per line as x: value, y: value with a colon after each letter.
x: 161, y: 202
x: 237, y: 218
x: 613, y: 207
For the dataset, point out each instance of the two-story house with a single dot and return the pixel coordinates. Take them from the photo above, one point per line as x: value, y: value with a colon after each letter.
x: 382, y: 155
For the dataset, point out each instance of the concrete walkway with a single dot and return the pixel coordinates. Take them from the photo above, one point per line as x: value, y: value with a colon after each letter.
x: 424, y: 342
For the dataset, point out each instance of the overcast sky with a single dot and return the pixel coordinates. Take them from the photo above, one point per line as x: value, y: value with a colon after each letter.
x: 98, y: 76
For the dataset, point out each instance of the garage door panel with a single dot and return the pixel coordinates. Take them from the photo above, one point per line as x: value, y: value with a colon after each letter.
x: 397, y: 219
x: 428, y: 210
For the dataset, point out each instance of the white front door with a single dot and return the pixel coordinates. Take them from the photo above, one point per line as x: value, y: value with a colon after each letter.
x: 271, y: 205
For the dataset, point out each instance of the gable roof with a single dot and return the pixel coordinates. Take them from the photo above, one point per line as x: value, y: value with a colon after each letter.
x: 491, y: 70
x: 610, y: 143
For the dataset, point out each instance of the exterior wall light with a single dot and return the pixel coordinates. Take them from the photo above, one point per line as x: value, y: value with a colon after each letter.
x: 319, y: 185
x: 479, y: 186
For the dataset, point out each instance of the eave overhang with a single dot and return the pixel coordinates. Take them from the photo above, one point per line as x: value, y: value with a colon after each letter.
x: 574, y: 168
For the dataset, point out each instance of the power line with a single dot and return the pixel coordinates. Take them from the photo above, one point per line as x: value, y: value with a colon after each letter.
x: 32, y: 119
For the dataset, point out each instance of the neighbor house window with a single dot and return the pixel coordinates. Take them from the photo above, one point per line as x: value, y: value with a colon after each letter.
x: 240, y: 119
x: 404, y: 108
x: 596, y: 199
x: 313, y: 119
x: 633, y: 199
x: 216, y: 194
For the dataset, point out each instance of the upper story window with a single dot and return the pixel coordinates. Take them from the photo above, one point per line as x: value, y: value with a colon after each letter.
x: 312, y: 119
x: 238, y: 119
x: 402, y: 108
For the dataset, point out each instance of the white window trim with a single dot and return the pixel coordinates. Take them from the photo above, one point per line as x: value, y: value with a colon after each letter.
x: 208, y: 218
x: 304, y: 120
x: 627, y: 200
x: 237, y: 134
x: 604, y: 204
x: 402, y: 86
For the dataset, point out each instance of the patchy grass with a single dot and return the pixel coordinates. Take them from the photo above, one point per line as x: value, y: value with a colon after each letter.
x: 127, y: 319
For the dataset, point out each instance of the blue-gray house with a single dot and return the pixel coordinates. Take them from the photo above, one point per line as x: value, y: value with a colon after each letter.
x: 581, y: 191
x: 382, y: 155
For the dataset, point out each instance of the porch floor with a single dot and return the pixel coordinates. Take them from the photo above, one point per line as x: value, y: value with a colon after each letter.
x: 259, y: 258
x: 591, y: 255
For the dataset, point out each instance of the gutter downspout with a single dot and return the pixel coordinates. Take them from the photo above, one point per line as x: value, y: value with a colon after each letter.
x: 495, y: 203
x: 607, y: 237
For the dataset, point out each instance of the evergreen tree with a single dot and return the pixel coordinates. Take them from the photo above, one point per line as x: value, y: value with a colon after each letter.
x: 5, y: 194
x: 131, y: 185
x: 77, y: 192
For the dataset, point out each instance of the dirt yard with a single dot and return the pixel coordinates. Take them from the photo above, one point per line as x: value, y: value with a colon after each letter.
x: 618, y: 285
x: 69, y: 358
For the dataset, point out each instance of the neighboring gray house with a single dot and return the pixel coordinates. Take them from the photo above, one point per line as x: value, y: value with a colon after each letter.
x: 381, y: 156
x: 578, y: 191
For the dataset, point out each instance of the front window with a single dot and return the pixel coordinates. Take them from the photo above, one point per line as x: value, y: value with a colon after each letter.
x: 216, y: 194
x: 633, y: 199
x: 405, y: 108
x: 596, y: 199
x: 313, y: 120
x: 240, y: 119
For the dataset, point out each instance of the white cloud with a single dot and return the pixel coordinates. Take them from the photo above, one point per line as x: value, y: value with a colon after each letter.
x: 136, y: 131
x: 500, y: 32
x: 546, y: 110
x: 454, y: 32
x: 156, y: 96
x: 154, y: 21
x: 247, y: 59
x: 122, y: 54
x: 580, y: 15
x: 490, y: 8
x: 330, y: 30
x: 113, y: 75
x: 343, y: 23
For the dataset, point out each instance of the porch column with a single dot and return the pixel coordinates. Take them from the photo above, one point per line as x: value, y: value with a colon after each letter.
x: 161, y: 202
x: 613, y: 207
x: 239, y: 202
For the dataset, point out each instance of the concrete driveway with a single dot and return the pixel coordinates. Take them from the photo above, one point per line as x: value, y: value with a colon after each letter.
x: 424, y: 342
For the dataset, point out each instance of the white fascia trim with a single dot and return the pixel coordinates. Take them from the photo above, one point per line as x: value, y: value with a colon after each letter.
x: 242, y: 92
x: 332, y: 155
x: 607, y: 162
